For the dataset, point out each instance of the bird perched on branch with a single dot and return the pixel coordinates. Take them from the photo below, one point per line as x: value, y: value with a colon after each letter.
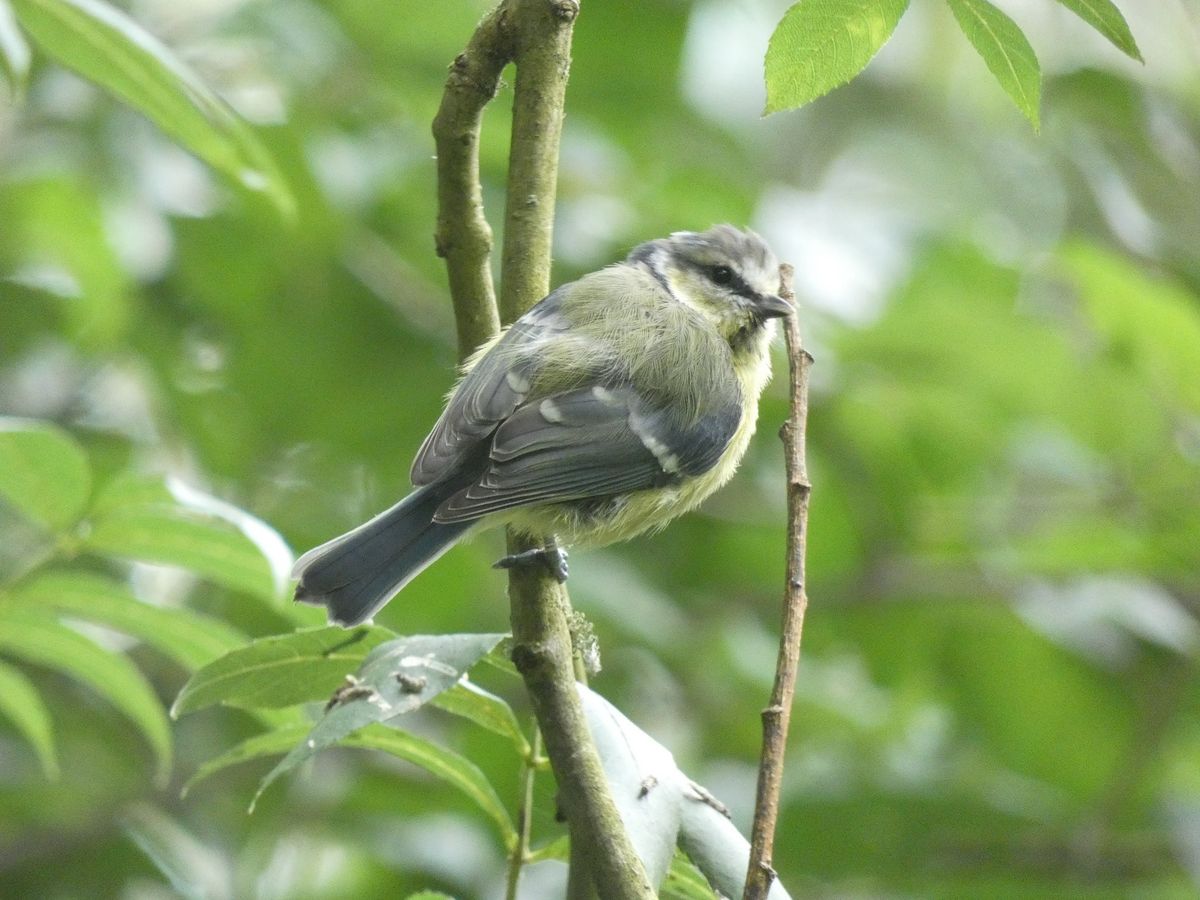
x: 615, y: 404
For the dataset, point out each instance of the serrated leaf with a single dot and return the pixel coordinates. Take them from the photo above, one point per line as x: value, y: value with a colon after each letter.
x: 1005, y: 51
x: 485, y: 709
x: 14, y: 52
x: 1106, y: 19
x: 820, y: 44
x: 38, y: 638
x: 44, y: 473
x: 173, y: 535
x: 450, y: 767
x: 21, y: 704
x: 107, y: 47
x: 189, y: 638
x: 282, y: 670
x: 396, y: 678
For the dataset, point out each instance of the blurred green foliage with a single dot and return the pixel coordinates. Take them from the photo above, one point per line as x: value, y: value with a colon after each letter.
x: 998, y: 691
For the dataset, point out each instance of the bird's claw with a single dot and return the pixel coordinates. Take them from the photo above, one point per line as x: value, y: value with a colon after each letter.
x: 554, y: 558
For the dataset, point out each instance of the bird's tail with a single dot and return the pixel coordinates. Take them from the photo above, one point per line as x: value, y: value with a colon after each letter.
x: 356, y: 574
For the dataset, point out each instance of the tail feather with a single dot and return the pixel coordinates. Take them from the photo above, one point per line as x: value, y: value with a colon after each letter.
x: 357, y: 573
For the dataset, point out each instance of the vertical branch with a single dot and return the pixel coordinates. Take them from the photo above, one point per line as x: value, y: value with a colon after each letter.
x: 463, y: 237
x: 541, y: 637
x: 776, y: 716
x: 536, y: 34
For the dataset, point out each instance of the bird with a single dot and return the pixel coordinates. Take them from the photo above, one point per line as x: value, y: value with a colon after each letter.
x: 617, y: 403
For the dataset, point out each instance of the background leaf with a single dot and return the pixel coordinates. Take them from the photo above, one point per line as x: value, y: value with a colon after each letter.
x: 106, y: 46
x: 14, y: 52
x: 485, y: 709
x: 1005, y: 50
x: 187, y: 637
x: 37, y: 638
x: 21, y: 704
x: 820, y: 44
x: 164, y: 532
x: 1104, y: 16
x: 44, y: 473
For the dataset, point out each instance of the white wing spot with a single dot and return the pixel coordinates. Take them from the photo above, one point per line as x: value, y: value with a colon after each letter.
x: 605, y: 396
x: 518, y: 382
x: 550, y: 412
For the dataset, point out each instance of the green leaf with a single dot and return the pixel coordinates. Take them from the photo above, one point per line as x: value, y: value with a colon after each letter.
x: 283, y: 670
x: 396, y: 678
x: 195, y: 871
x: 1006, y: 52
x: 44, y: 473
x: 685, y: 882
x: 14, y: 52
x: 104, y: 45
x: 1106, y: 19
x: 176, y: 537
x: 21, y: 704
x: 820, y: 44
x: 1152, y: 323
x: 189, y: 638
x: 428, y: 895
x: 38, y: 638
x: 269, y: 743
x: 442, y: 763
x: 439, y: 761
x: 484, y: 709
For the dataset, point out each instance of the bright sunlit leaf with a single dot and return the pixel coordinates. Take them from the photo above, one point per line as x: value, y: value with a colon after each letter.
x: 1106, y: 19
x: 44, y: 473
x: 820, y: 44
x: 36, y: 637
x: 1006, y: 52
x: 104, y: 45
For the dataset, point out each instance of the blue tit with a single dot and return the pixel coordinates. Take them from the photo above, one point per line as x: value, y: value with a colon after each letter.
x: 617, y: 403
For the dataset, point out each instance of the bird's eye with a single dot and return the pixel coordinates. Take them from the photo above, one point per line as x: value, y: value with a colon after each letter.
x: 720, y: 275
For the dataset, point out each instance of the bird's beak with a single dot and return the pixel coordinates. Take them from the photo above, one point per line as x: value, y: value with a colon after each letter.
x: 772, y: 306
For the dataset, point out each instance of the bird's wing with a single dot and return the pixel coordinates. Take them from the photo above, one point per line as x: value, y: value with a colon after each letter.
x: 497, y: 384
x: 591, y: 442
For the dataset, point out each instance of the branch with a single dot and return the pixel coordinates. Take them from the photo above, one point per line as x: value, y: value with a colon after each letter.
x: 536, y: 34
x: 463, y: 237
x: 775, y: 717
x: 541, y: 636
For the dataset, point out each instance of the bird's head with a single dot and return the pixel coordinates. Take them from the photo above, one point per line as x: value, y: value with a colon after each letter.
x: 728, y: 275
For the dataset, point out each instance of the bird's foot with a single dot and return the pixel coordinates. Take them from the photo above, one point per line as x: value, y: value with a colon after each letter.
x: 553, y: 557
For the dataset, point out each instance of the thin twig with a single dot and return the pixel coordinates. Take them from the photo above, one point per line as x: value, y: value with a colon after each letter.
x: 464, y: 238
x: 776, y: 716
x: 520, y: 851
